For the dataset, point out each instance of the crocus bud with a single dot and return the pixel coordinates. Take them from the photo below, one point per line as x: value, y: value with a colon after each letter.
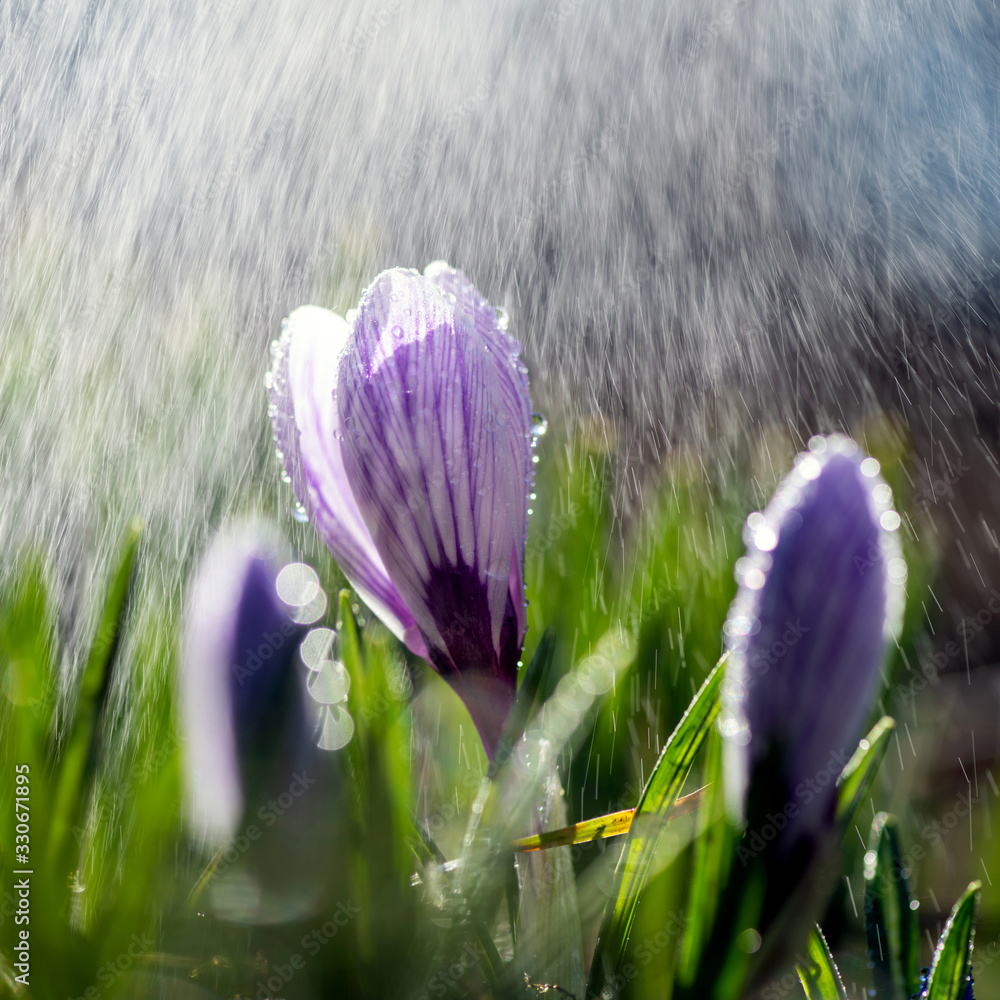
x: 820, y: 592
x: 408, y: 440
x: 244, y: 714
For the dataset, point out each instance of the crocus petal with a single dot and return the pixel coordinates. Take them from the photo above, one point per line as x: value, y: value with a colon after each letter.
x: 307, y: 433
x: 437, y: 450
x: 239, y: 697
x: 820, y: 593
x: 512, y: 380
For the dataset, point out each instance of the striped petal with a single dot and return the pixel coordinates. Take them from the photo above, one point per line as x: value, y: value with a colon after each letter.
x: 512, y: 382
x: 307, y: 433
x: 437, y: 443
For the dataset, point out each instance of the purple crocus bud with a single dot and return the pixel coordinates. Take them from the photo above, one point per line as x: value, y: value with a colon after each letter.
x: 413, y: 447
x: 820, y: 593
x: 242, y: 702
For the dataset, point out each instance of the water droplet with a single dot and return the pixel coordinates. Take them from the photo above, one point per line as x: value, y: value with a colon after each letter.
x: 268, y: 380
x: 299, y: 513
x: 313, y: 611
x: 336, y: 728
x: 534, y: 458
x: 765, y: 539
x: 352, y: 315
x: 317, y: 647
x: 329, y: 683
x: 503, y: 320
x: 539, y: 425
x: 890, y: 520
x: 397, y: 332
x: 809, y: 467
x: 275, y: 347
x: 297, y: 584
x: 870, y: 467
x: 286, y: 478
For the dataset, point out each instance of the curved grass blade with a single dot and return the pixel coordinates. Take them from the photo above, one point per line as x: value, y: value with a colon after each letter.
x: 655, y: 804
x: 820, y: 978
x: 891, y: 924
x: 859, y: 772
x: 714, y: 850
x: 600, y: 827
x: 79, y: 759
x: 953, y: 955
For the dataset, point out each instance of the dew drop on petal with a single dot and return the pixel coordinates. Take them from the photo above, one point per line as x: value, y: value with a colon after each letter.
x: 890, y: 520
x: 809, y: 467
x: 299, y: 513
x: 765, y: 539
x: 503, y: 320
x: 870, y: 467
x: 539, y: 425
x: 882, y: 493
x: 736, y: 730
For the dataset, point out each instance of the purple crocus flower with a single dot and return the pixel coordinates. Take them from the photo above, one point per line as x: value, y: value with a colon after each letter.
x: 243, y: 708
x: 406, y: 433
x: 820, y: 593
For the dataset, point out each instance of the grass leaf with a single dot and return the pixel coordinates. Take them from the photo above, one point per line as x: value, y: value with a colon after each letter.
x: 891, y: 924
x: 859, y: 772
x: 78, y: 761
x: 953, y: 955
x: 820, y: 978
x: 652, y: 811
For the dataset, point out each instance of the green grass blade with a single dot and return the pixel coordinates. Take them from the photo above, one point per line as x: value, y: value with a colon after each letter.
x: 652, y: 811
x: 953, y: 955
x: 855, y: 781
x: 78, y: 760
x: 891, y: 924
x: 713, y: 854
x: 820, y: 978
